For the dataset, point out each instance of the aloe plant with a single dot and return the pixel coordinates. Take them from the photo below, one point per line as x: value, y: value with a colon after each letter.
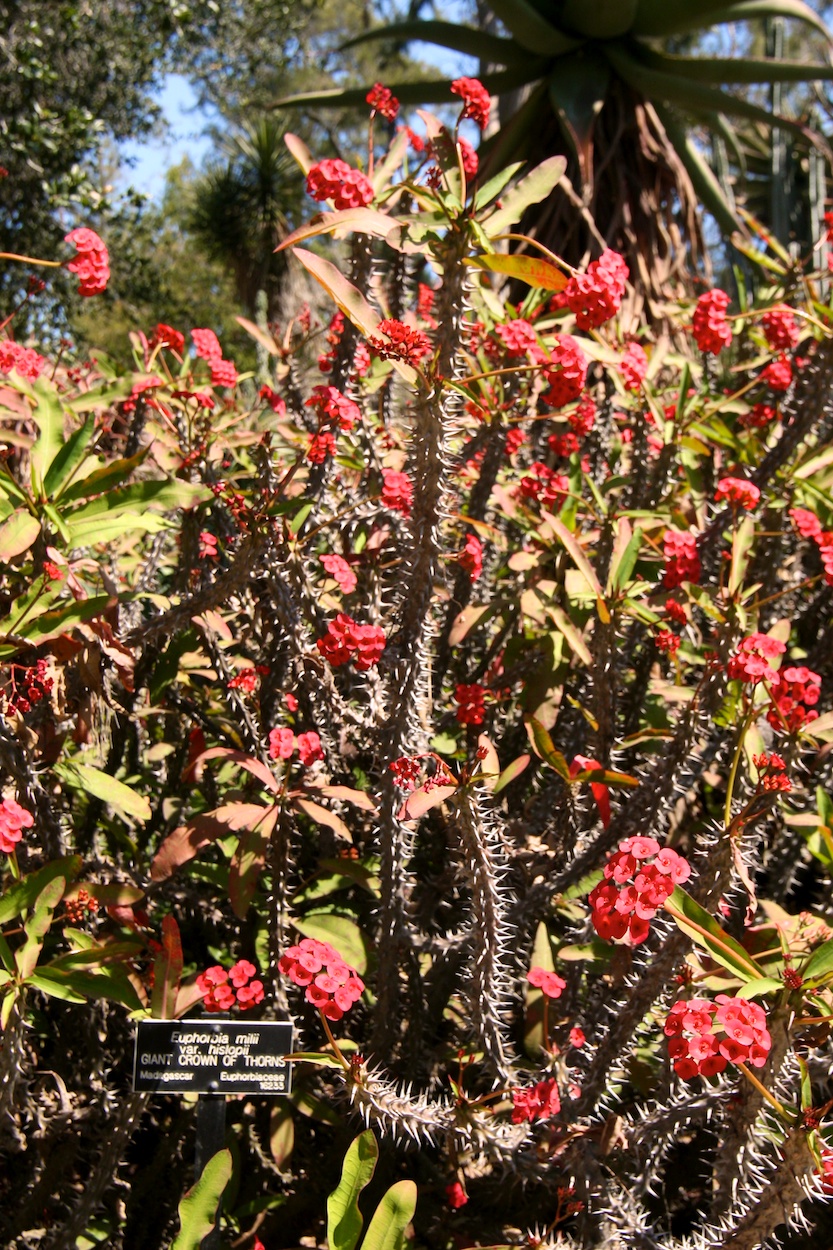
x: 596, y: 82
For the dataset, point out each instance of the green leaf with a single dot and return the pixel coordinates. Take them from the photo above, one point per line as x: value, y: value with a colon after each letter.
x: 104, y: 396
x: 658, y: 17
x: 77, y: 986
x: 166, y: 494
x: 17, y: 901
x: 510, y: 772
x: 248, y: 860
x: 820, y: 962
x: 342, y: 933
x: 17, y: 533
x: 38, y: 925
x: 761, y: 985
x: 735, y: 69
x: 431, y: 91
x: 625, y: 552
x: 545, y: 748
x: 532, y: 189
x: 43, y: 627
x: 533, y: 270
x: 89, y: 780
x: 69, y: 457
x: 105, y: 478
x: 492, y: 189
x: 344, y: 1219
x: 465, y: 39
x: 394, y: 1213
x: 569, y: 540
x: 694, y: 921
x: 347, y: 221
x: 49, y: 418
x: 531, y: 30
x: 198, y: 1209
x: 742, y: 540
x: 167, y: 971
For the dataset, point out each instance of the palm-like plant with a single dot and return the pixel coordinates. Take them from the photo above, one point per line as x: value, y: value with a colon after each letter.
x: 596, y: 81
x: 241, y: 210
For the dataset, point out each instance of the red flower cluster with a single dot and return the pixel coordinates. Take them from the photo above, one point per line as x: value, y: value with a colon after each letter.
x: 639, y: 877
x: 476, y: 101
x: 338, y: 568
x: 455, y: 1195
x: 666, y: 640
x: 583, y: 418
x: 92, y: 264
x: 406, y: 771
x: 780, y: 328
x: 223, y: 373
x: 549, y: 983
x: 330, y: 406
x: 335, y: 180
x: 634, y: 366
x: 345, y: 641
x: 321, y: 446
x: 518, y: 337
x: 471, y: 557
x: 709, y: 326
x: 794, y: 690
x: 25, y: 360
x: 33, y: 685
x: 682, y: 563
x: 566, y: 372
x: 596, y: 296
x: 331, y: 984
x: 404, y: 343
x: 247, y: 679
x: 695, y: 1047
x: 543, y: 485
x: 737, y: 491
x: 207, y: 345
x: 771, y: 771
x: 425, y: 304
x: 383, y: 101
x: 563, y: 444
x: 515, y: 439
x: 675, y: 612
x: 221, y: 989
x: 397, y: 492
x: 757, y: 418
x: 282, y: 745
x: 750, y: 663
x: 13, y: 820
x: 273, y: 399
x: 470, y: 700
x: 809, y: 526
x: 537, y: 1102
x: 167, y: 336
x: 778, y: 374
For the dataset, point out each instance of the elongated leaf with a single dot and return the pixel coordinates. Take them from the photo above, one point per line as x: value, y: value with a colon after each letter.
x: 104, y: 396
x: 299, y: 150
x: 423, y: 800
x: 511, y: 771
x: 49, y: 418
x: 532, y: 188
x: 89, y: 780
x: 38, y: 925
x: 625, y: 552
x: 198, y: 1209
x: 68, y: 458
x: 322, y: 816
x: 167, y: 971
x: 394, y: 1213
x: 573, y: 546
x: 429, y: 91
x: 248, y: 861
x: 104, y: 478
x: 702, y: 177
x: 531, y: 30
x: 347, y: 220
x: 76, y: 985
x: 187, y: 840
x: 251, y: 765
x: 266, y: 340
x: 492, y: 189
x: 17, y: 533
x: 658, y: 17
x: 820, y: 963
x: 17, y: 900
x: 128, y: 499
x: 544, y: 748
x: 706, y: 932
x: 344, y: 1219
x: 465, y: 39
x: 573, y: 635
x: 48, y: 625
x: 742, y: 541
x: 736, y: 69
x: 533, y: 270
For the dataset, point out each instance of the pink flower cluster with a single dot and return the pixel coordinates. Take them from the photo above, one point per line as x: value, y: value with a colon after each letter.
x: 92, y: 264
x: 221, y: 989
x: 737, y: 491
x: 331, y: 406
x: 339, y: 569
x: 13, y: 820
x: 397, y: 492
x: 794, y: 690
x: 335, y: 180
x: 331, y: 984
x: 470, y: 700
x: 476, y: 101
x: 709, y: 326
x: 404, y: 343
x: 639, y: 877
x: 518, y: 338
x: 634, y: 366
x: 25, y: 360
x: 809, y: 526
x: 698, y: 1050
x: 778, y: 374
x: 345, y: 641
x: 596, y: 296
x: 566, y: 372
x: 537, y: 1102
x: 549, y: 983
x: 207, y: 347
x: 283, y: 743
x: 682, y: 563
x: 750, y: 663
x: 167, y: 336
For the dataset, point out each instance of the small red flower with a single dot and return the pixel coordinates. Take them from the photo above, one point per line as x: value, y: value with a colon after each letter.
x: 471, y: 557
x: 736, y: 490
x: 397, y: 492
x: 634, y: 366
x: 309, y: 748
x: 476, y: 101
x: 455, y: 1195
x: 345, y: 640
x: 281, y: 744
x: 330, y: 984
x: 682, y: 563
x: 667, y: 641
x: 321, y: 445
x: 596, y: 295
x: 565, y: 372
x: 780, y: 328
x: 24, y: 360
x: 710, y: 328
x: 167, y: 336
x: 538, y: 1102
x: 404, y: 343
x: 339, y: 569
x: 778, y: 375
x: 549, y: 983
x: 382, y: 101
x: 13, y: 820
x: 207, y: 345
x: 471, y: 708
x: 223, y: 373
x: 638, y: 879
